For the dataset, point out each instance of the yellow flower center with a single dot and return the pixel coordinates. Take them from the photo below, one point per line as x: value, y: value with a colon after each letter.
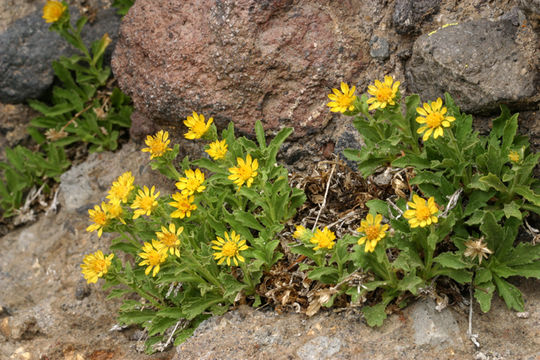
x: 344, y: 100
x: 169, y: 239
x: 434, y: 119
x: 100, y: 218
x: 245, y: 172
x: 422, y: 212
x: 372, y: 232
x: 230, y: 249
x: 158, y: 148
x: 147, y: 203
x: 384, y: 94
x: 193, y: 183
x: 324, y: 242
x: 199, y: 128
x: 154, y: 258
x: 99, y: 266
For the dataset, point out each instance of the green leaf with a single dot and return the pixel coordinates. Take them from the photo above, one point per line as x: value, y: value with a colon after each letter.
x: 491, y: 230
x: 493, y: 181
x: 411, y: 282
x: 452, y: 261
x: 160, y: 324
x: 512, y: 209
x: 248, y: 220
x: 378, y: 206
x: 483, y: 293
x: 259, y: 133
x: 509, y: 132
x: 462, y: 276
x: 135, y: 317
x: 194, y: 307
x: 522, y: 254
x: 374, y: 315
x: 483, y: 275
x: 528, y: 194
x: 511, y: 295
x: 412, y: 160
x: 327, y: 275
x: 500, y: 122
x: 528, y: 270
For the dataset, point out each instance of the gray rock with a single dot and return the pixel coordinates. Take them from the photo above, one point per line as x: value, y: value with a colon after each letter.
x: 434, y: 328
x: 530, y: 6
x: 480, y: 63
x: 322, y: 347
x: 28, y: 49
x: 380, y: 50
x: 409, y: 14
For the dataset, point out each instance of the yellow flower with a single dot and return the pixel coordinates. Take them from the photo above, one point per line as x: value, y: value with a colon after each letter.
x: 53, y: 11
x: 115, y: 210
x: 434, y: 119
x: 371, y: 226
x: 343, y: 100
x: 193, y: 182
x: 197, y: 126
x: 183, y: 204
x: 95, y: 266
x: 217, y: 149
x: 229, y: 249
x: 99, y: 217
x: 302, y: 233
x: 153, y: 256
x: 421, y: 212
x: 513, y: 156
x: 158, y: 144
x: 477, y: 249
x: 121, y: 188
x: 170, y: 239
x: 245, y: 172
x: 324, y: 239
x: 384, y: 94
x: 145, y: 202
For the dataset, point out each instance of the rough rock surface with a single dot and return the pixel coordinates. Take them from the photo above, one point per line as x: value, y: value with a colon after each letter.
x: 25, y: 63
x: 419, y: 332
x: 409, y: 14
x: 482, y: 63
x: 237, y: 60
x: 47, y: 310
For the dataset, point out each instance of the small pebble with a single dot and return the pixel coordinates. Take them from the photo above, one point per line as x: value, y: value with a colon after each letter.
x: 523, y: 315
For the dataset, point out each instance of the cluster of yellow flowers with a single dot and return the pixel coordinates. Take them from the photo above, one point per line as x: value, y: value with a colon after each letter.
x: 432, y: 115
x: 145, y: 202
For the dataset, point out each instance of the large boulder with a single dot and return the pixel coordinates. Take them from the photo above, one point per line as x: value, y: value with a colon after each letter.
x: 28, y: 49
x: 243, y: 60
x: 481, y: 63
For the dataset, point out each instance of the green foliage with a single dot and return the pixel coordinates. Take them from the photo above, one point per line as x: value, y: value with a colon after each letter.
x: 197, y: 283
x: 485, y: 185
x: 122, y: 6
x: 82, y: 109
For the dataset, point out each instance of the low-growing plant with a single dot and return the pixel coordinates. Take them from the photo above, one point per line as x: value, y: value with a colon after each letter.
x: 469, y: 195
x: 85, y: 108
x: 200, y: 250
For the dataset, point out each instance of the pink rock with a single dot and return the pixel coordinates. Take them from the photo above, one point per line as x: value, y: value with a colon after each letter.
x: 241, y: 61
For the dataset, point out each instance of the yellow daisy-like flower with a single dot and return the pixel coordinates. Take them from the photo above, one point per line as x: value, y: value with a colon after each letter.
x: 158, y: 144
x: 170, y: 238
x: 95, y: 266
x: 343, y: 100
x: 145, y: 202
x: 371, y: 226
x: 513, y: 156
x: 153, y: 256
x: 115, y: 211
x: 193, y: 182
x: 229, y: 248
x: 183, y: 204
x: 121, y: 188
x: 218, y: 149
x: 53, y: 11
x: 433, y: 119
x: 99, y: 216
x: 421, y: 212
x: 302, y: 234
x: 197, y: 126
x: 324, y: 239
x: 244, y: 172
x: 384, y: 94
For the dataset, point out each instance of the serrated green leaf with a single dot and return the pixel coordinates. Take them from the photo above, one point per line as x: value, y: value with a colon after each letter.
x: 410, y: 283
x: 412, y: 160
x: 462, y: 276
x: 491, y: 180
x: 528, y: 270
x: 378, y: 206
x: 483, y: 275
x: 512, y: 209
x: 452, y: 261
x: 528, y: 194
x: 327, y: 275
x: 510, y: 294
x: 375, y: 315
x: 483, y: 293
